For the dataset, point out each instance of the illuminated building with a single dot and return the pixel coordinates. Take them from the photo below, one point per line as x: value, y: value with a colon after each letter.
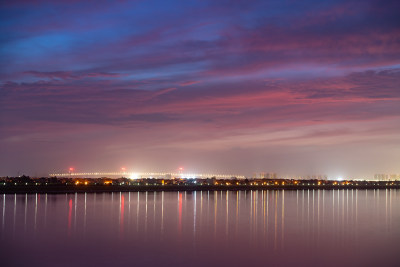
x: 386, y: 177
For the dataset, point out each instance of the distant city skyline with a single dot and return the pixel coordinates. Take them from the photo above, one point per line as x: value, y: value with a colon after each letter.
x: 289, y: 87
x: 187, y: 174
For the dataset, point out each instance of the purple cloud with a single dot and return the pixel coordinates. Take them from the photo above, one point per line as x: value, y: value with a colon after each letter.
x: 200, y: 78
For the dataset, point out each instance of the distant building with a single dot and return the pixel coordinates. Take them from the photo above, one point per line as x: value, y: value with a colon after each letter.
x: 316, y: 177
x: 272, y: 175
x: 268, y: 175
x: 386, y: 177
x: 381, y: 177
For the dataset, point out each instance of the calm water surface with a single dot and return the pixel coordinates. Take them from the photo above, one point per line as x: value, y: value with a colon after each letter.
x: 221, y: 228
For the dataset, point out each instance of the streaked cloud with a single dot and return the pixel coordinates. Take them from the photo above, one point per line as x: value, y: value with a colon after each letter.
x: 201, y: 78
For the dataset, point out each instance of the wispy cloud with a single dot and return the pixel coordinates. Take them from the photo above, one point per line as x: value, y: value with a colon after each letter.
x: 199, y: 75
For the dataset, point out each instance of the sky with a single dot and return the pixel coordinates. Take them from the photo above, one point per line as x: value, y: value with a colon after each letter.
x: 238, y: 87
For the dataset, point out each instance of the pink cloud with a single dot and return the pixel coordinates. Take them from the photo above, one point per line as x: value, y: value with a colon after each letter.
x: 71, y: 75
x: 188, y: 83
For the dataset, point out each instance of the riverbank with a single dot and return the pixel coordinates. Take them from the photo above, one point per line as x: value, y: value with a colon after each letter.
x: 62, y: 189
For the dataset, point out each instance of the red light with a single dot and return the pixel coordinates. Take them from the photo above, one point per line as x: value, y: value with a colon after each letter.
x: 123, y: 168
x: 71, y: 169
x: 181, y: 169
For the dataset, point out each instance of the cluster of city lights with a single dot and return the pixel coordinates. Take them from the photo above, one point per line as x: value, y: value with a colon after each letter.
x: 138, y: 175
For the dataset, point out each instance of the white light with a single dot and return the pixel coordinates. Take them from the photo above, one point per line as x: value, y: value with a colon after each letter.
x: 134, y: 176
x: 340, y: 179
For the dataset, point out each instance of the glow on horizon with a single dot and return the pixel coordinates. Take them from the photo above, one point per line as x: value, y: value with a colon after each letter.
x: 134, y: 176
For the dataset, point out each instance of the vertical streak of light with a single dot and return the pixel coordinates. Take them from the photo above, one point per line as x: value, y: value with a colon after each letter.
x: 129, y: 210
x: 276, y: 221
x: 339, y: 226
x: 283, y: 220
x: 201, y: 203
x: 45, y: 211
x: 69, y: 216
x: 302, y: 210
x: 338, y: 210
x: 4, y: 212
x: 112, y: 202
x: 208, y: 205
x: 84, y: 216
x: 266, y: 237
x: 390, y: 209
x: 313, y: 212
x: 347, y: 207
x: 36, y: 202
x: 323, y: 207
x: 215, y: 214
x: 137, y: 212
x: 122, y: 208
x: 263, y: 200
x: 377, y: 198
x: 318, y: 225
x: 254, y: 216
x: 180, y: 215
x: 227, y: 213
x: 333, y: 207
x: 238, y: 207
x: 15, y: 212
x: 297, y: 205
x: 352, y: 202
x: 154, y: 210
x: 26, y: 210
x: 145, y: 217
x: 308, y: 212
x: 357, y: 216
x: 119, y: 212
x: 237, y: 212
x: 162, y: 214
x: 194, y: 217
x: 76, y: 202
x: 255, y: 212
x: 343, y: 225
x: 386, y: 209
x: 201, y: 208
x: 352, y: 213
x: 366, y: 198
x: 313, y: 209
x: 251, y: 215
x: 356, y: 206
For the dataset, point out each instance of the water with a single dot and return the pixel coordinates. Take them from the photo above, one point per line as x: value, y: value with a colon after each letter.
x: 221, y: 228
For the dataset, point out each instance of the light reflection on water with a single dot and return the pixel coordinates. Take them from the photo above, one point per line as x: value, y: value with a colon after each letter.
x: 350, y: 227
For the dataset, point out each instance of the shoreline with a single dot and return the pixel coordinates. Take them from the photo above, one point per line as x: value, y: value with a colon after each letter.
x: 65, y: 189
